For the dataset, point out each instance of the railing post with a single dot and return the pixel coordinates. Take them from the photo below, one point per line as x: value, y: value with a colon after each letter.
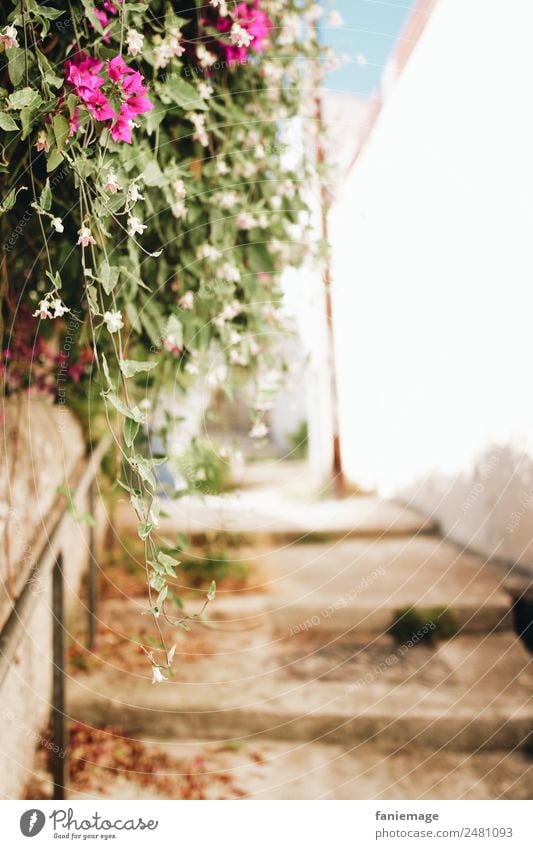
x: 92, y: 574
x: 59, y: 720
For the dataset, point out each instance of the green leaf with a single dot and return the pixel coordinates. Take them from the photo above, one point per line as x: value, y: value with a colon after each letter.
x: 131, y: 367
x: 16, y: 64
x: 55, y: 158
x: 46, y: 196
x: 26, y: 96
x: 61, y: 130
x: 7, y: 122
x: 143, y: 468
x: 52, y: 80
x: 157, y: 582
x: 105, y: 369
x: 212, y: 591
x: 55, y: 279
x: 182, y: 93
x: 168, y: 563
x: 152, y: 174
x: 133, y: 413
x: 162, y: 596
x: 131, y: 429
x: 49, y: 12
x: 145, y: 529
x: 9, y: 200
x: 109, y: 275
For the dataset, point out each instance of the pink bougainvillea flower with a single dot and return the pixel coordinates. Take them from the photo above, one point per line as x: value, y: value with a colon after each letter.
x: 137, y: 106
x: 256, y: 24
x: 122, y: 128
x: 102, y: 17
x: 133, y: 83
x: 74, y: 122
x: 117, y: 68
x: 83, y: 75
x: 100, y: 108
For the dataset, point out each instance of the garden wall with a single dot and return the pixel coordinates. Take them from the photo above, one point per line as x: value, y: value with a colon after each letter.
x: 42, y: 449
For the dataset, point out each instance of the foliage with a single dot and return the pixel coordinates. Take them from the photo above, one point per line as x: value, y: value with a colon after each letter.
x: 147, y: 208
x: 428, y: 624
x: 298, y: 441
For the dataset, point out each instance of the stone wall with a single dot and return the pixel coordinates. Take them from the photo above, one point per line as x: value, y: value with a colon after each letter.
x: 42, y: 449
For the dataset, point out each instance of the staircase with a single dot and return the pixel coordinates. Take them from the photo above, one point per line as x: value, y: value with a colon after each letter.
x: 299, y: 683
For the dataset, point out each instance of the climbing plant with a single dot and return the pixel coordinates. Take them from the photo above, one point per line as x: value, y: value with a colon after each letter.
x: 149, y: 201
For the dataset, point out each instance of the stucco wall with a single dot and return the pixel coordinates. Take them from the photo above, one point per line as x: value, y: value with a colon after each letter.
x: 433, y: 270
x: 42, y: 445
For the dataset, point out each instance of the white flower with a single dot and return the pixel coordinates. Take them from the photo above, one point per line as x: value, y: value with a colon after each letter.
x: 57, y: 224
x: 85, y: 237
x: 227, y: 200
x: 179, y: 210
x: 42, y: 142
x: 192, y: 367
x: 240, y: 36
x: 228, y: 313
x: 113, y: 321
x: 157, y: 675
x: 59, y: 308
x: 315, y: 13
x: 228, y: 271
x: 258, y: 431
x: 361, y: 59
x: 272, y: 72
x: 275, y: 202
x: 198, y: 120
x: 207, y: 251
x: 134, y: 40
x: 169, y: 48
x: 245, y: 221
x: 178, y: 187
x: 204, y: 56
x: 134, y: 193
x: 222, y: 167
x: 43, y: 310
x: 174, y: 43
x: 335, y: 19
x: 236, y: 358
x: 205, y: 90
x: 222, y: 7
x: 9, y: 37
x: 287, y: 189
x: 186, y: 301
x: 135, y: 225
x: 290, y: 30
x: 111, y: 184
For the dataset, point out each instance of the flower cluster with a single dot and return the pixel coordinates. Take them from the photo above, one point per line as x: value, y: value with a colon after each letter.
x: 121, y: 83
x: 248, y: 28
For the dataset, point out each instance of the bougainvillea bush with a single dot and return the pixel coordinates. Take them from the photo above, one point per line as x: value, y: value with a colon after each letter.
x: 147, y: 210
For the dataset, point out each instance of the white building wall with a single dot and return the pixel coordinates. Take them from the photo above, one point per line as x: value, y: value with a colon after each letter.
x: 433, y: 275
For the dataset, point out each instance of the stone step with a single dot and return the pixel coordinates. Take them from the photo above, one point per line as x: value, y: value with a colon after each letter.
x: 470, y: 692
x: 272, y: 515
x: 260, y: 769
x: 349, y: 587
x: 354, y: 585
